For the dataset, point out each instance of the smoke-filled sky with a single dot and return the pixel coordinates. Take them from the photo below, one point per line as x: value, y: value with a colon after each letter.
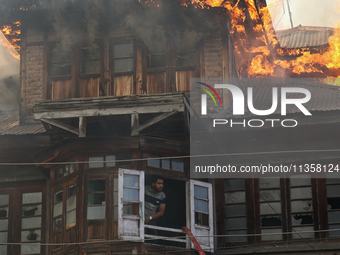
x: 325, y: 13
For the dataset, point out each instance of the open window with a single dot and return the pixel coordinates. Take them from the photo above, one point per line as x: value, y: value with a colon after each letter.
x: 131, y: 204
x: 201, y: 213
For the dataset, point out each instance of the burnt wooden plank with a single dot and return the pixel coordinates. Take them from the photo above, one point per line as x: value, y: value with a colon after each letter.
x: 183, y: 80
x: 156, y: 83
x: 89, y: 87
x: 123, y: 85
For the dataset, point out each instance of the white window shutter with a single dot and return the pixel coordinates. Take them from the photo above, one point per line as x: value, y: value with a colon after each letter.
x: 203, y: 206
x: 131, y: 194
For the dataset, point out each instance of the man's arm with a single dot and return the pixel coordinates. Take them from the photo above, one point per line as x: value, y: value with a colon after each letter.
x: 157, y: 215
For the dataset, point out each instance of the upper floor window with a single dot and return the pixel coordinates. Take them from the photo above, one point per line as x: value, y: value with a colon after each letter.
x: 123, y: 57
x: 61, y: 61
x: 90, y: 59
x: 65, y: 170
x: 171, y: 164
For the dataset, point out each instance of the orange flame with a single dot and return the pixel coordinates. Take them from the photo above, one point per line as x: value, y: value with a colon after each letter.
x: 262, y: 46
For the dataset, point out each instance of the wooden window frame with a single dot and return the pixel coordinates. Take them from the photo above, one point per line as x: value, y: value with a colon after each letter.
x: 62, y: 231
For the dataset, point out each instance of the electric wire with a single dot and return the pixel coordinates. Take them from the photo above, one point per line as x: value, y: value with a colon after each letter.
x: 171, y: 157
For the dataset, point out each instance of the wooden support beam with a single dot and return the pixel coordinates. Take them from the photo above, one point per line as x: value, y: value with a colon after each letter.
x: 134, y: 124
x: 155, y: 120
x: 82, y: 127
x: 61, y: 125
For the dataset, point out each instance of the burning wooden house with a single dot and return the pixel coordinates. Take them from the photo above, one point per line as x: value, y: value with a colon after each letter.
x: 104, y: 107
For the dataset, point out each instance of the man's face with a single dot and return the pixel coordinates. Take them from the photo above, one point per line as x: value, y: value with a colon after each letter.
x: 158, y: 185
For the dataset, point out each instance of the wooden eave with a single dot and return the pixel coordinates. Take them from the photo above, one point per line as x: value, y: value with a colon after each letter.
x: 105, y: 106
x: 71, y: 146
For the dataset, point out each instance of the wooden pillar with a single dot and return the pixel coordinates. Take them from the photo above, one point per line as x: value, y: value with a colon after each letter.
x: 82, y: 127
x: 134, y: 124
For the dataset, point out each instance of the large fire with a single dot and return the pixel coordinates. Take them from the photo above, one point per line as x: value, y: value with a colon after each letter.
x: 258, y: 53
x: 12, y: 34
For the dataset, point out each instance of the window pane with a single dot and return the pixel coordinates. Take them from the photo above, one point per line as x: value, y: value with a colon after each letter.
x: 59, y: 69
x: 123, y: 65
x: 202, y: 206
x: 177, y: 165
x: 96, y: 212
x: 334, y: 233
x: 156, y: 61
x: 235, y: 197
x: 300, y: 180
x: 31, y: 223
x: 236, y: 223
x: 115, y: 212
x: 94, y: 164
x: 302, y: 219
x: 131, y: 180
x: 303, y: 235
x: 88, y: 52
x: 130, y: 194
x: 3, y: 225
x: 4, y: 199
x: 234, y: 184
x: 123, y: 50
x: 58, y: 196
x: 302, y: 206
x: 61, y: 54
x: 153, y: 162
x: 111, y: 158
x: 71, y: 203
x: 334, y: 217
x: 270, y: 234
x: 31, y: 198
x: 90, y: 67
x: 115, y: 198
x: 3, y: 237
x: 4, y: 212
x: 269, y: 183
x: 271, y: 221
x: 71, y: 190
x: 3, y: 249
x: 59, y: 173
x: 57, y: 223
x: 32, y: 210
x: 235, y: 239
x: 96, y: 185
x: 301, y: 193
x: 333, y: 203
x: 166, y: 163
x: 30, y: 249
x: 185, y: 59
x: 30, y: 235
x: 57, y: 209
x: 96, y: 199
x: 270, y: 208
x: 270, y: 195
x: 73, y: 168
x: 235, y: 210
x: 71, y: 217
x: 201, y: 192
x: 131, y: 208
x: 333, y: 190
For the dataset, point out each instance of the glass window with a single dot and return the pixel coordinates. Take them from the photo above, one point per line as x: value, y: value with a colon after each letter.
x: 96, y: 162
x: 90, y: 59
x: 71, y: 205
x: 185, y: 59
x: 123, y: 58
x: 157, y: 60
x: 61, y: 60
x: 96, y: 203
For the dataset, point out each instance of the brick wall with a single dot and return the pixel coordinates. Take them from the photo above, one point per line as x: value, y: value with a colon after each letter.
x: 213, y: 56
x: 33, y: 79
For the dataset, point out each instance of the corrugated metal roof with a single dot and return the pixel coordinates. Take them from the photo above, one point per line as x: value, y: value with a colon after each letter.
x: 323, y: 97
x: 304, y: 36
x: 24, y: 130
x: 8, y: 120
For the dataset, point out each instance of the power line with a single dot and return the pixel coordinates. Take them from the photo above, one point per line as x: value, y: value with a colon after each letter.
x: 172, y: 157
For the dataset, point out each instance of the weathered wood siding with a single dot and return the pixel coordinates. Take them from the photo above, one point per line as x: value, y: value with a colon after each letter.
x: 183, y: 80
x: 89, y: 87
x: 156, y: 83
x: 61, y: 89
x: 123, y: 85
